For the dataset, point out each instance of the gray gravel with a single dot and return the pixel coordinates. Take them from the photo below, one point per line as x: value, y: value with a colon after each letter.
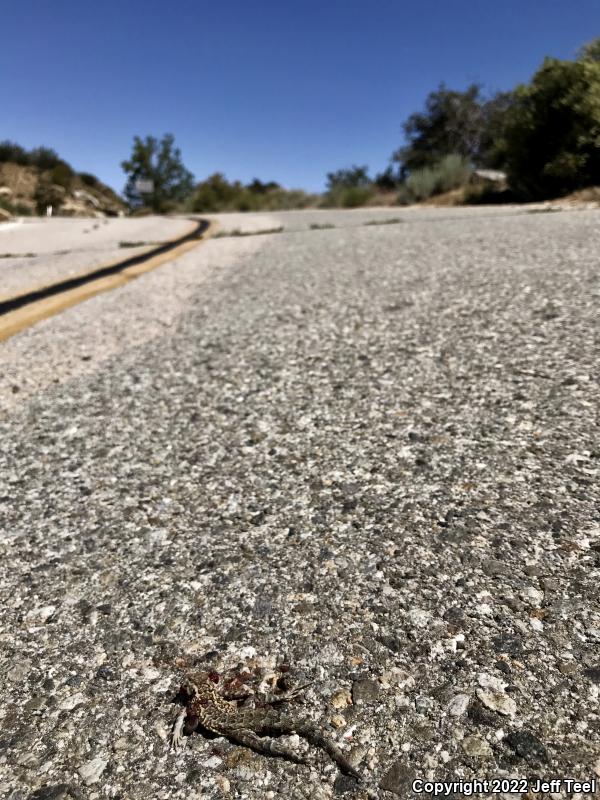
x: 367, y: 454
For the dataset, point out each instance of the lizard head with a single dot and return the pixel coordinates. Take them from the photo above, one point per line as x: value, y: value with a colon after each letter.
x: 196, y: 683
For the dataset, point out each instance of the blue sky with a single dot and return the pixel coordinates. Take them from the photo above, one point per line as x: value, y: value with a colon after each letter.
x: 283, y: 90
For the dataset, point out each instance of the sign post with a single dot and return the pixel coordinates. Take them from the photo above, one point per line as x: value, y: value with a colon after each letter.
x: 144, y: 186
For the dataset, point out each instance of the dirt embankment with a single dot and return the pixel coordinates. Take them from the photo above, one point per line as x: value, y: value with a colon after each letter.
x: 80, y: 196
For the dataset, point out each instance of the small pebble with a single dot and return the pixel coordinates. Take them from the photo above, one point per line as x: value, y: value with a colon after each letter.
x: 92, y: 770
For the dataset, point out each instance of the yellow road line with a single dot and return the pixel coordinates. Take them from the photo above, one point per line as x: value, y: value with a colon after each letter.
x: 91, y: 270
x: 25, y: 317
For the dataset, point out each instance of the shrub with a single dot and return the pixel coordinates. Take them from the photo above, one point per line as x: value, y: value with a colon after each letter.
x: 246, y: 200
x: 287, y: 199
x: 10, y: 151
x: 347, y: 197
x: 17, y: 209
x: 404, y: 197
x: 449, y: 173
x: 258, y: 187
x: 452, y: 171
x: 62, y: 175
x: 386, y: 181
x: 216, y: 193
x: 348, y: 178
x: 22, y: 210
x: 88, y: 179
x: 44, y: 158
x: 142, y: 211
x: 553, y: 129
x: 48, y: 194
x: 355, y: 196
x: 422, y: 183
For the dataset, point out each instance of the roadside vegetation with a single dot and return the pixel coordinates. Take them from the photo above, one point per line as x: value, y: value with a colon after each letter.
x: 240, y: 232
x: 536, y: 142
x: 32, y: 180
x: 466, y: 147
x: 156, y: 176
x: 216, y: 194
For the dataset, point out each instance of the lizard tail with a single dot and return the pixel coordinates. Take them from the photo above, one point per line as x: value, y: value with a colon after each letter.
x: 314, y: 736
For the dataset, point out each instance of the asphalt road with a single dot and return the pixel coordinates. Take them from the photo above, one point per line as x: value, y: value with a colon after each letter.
x: 39, y: 251
x: 365, y: 456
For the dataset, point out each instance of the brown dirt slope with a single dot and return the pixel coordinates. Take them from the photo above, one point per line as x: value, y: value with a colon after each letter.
x: 18, y: 185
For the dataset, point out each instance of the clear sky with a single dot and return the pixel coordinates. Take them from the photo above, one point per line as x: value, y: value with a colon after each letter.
x: 283, y: 90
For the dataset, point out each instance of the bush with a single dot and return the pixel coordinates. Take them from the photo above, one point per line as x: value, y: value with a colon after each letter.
x: 246, y: 200
x: 44, y: 158
x: 62, y: 175
x: 386, y: 181
x: 355, y: 196
x: 88, y: 179
x: 288, y: 199
x: 348, y: 178
x: 451, y: 172
x: 421, y: 184
x: 17, y: 209
x: 258, y: 187
x: 347, y: 197
x: 552, y: 132
x: 48, y: 194
x: 216, y: 193
x: 10, y: 151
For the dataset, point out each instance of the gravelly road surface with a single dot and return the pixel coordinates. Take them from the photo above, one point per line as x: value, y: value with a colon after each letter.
x: 366, y: 457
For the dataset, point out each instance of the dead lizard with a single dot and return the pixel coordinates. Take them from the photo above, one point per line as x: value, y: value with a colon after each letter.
x: 208, y: 708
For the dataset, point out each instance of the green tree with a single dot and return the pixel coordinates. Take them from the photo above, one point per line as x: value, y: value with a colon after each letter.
x: 590, y: 51
x: 88, y: 179
x: 551, y: 141
x: 465, y: 124
x: 62, y: 175
x: 215, y: 194
x: 348, y: 178
x: 13, y: 152
x: 452, y: 122
x: 159, y: 162
x: 256, y: 186
x: 45, y: 158
x: 494, y: 120
x: 387, y: 180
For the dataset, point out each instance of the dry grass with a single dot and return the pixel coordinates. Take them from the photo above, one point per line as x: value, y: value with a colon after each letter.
x: 455, y: 197
x: 589, y: 195
x: 239, y: 232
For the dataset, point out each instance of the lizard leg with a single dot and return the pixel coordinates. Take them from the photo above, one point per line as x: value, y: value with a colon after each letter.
x: 186, y: 723
x: 293, y: 694
x: 265, y: 746
x: 177, y: 732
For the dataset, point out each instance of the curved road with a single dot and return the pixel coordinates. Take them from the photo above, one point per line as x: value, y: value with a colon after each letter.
x: 369, y: 453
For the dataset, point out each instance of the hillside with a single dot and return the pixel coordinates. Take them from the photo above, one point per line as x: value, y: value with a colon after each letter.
x: 28, y: 188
